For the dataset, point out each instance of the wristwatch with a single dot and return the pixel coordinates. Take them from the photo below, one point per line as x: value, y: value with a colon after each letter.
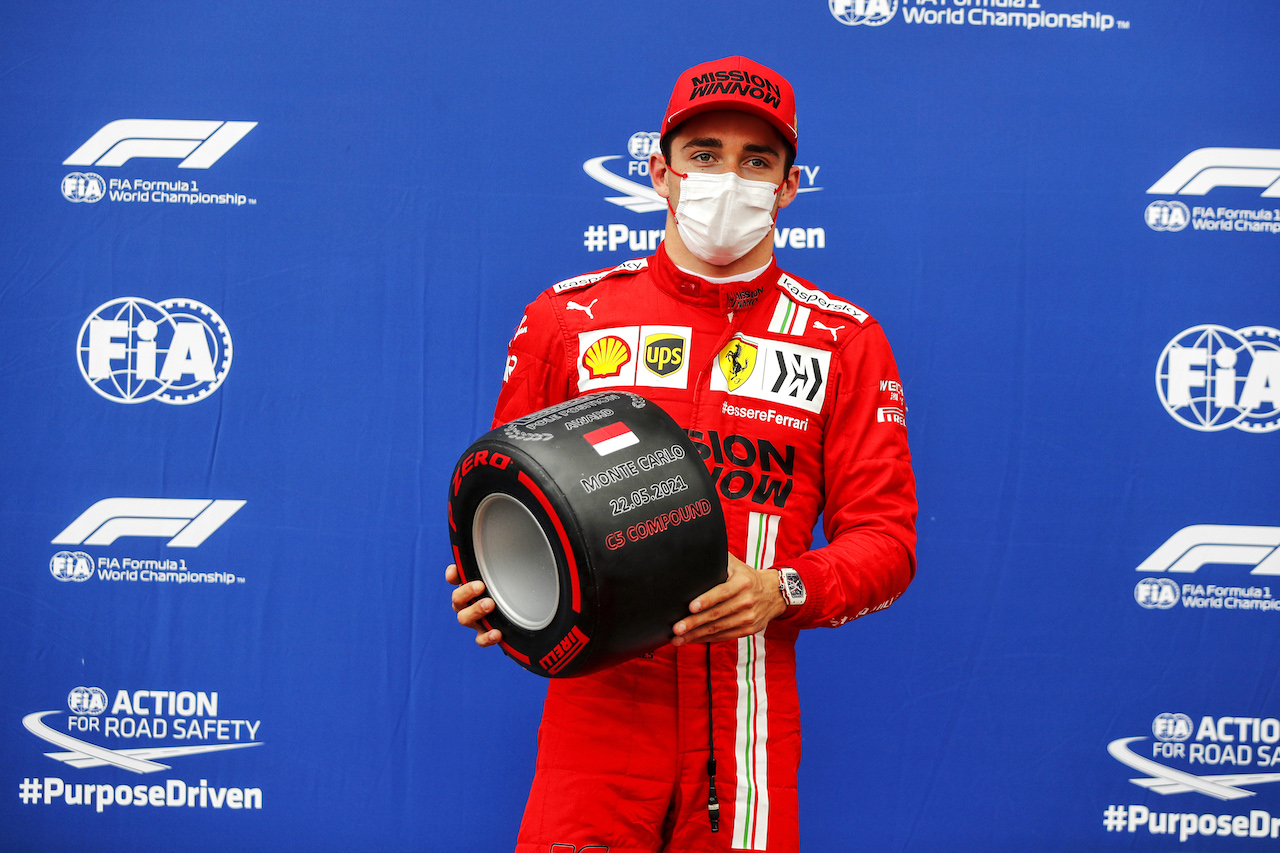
x: 791, y: 587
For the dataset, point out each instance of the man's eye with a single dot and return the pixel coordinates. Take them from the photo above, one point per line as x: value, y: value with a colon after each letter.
x: 703, y: 157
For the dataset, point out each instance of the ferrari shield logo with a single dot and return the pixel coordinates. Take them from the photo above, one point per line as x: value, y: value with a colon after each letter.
x: 737, y: 360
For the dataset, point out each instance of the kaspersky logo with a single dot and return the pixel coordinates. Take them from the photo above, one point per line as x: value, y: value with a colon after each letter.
x: 198, y: 144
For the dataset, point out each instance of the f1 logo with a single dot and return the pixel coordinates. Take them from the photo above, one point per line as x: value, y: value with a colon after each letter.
x: 1204, y: 544
x: 1207, y: 168
x: 188, y: 522
x: 199, y: 144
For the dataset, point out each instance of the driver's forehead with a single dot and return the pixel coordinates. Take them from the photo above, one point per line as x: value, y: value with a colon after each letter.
x: 730, y: 128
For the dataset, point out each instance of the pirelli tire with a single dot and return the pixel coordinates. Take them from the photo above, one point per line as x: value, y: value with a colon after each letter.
x: 593, y: 524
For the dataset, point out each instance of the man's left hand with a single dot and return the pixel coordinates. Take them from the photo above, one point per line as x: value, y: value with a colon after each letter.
x: 742, y: 605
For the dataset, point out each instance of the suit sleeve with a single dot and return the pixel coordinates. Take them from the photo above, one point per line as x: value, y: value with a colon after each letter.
x: 538, y: 366
x: 870, y: 512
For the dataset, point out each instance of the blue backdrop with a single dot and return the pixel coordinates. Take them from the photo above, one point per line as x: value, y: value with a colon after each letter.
x: 260, y: 265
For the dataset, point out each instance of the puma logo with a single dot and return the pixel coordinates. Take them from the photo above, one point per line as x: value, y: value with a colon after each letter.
x: 586, y: 309
x: 833, y: 331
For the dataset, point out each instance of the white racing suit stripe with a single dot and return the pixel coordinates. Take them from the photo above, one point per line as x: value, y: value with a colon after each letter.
x: 788, y: 317
x: 762, y: 533
x: 751, y: 756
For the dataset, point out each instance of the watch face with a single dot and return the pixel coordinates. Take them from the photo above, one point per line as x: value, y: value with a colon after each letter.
x: 794, y: 586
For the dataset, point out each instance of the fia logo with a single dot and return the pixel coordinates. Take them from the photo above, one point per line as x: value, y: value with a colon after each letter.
x: 1211, y: 378
x: 1156, y: 593
x: 132, y: 350
x: 854, y: 13
x: 71, y: 566
x: 1171, y: 727
x: 83, y: 187
x: 1167, y: 216
x: 643, y: 143
x: 87, y: 700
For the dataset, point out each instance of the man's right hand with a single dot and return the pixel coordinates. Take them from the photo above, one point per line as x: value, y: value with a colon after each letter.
x: 471, y: 608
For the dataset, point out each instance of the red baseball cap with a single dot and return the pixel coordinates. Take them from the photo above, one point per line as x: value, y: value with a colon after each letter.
x: 734, y: 83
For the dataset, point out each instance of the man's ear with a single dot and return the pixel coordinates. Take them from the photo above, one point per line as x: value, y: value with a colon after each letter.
x: 790, y: 187
x: 658, y: 170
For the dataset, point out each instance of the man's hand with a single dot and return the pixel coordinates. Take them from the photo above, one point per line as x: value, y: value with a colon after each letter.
x: 471, y: 608
x: 742, y: 605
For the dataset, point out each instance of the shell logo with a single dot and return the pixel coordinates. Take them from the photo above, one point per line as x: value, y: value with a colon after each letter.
x: 606, y: 357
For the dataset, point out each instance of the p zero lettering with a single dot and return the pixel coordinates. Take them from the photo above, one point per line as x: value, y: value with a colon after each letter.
x: 474, y: 460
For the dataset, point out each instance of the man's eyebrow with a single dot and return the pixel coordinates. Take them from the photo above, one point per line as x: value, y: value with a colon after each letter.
x: 760, y: 149
x: 703, y: 142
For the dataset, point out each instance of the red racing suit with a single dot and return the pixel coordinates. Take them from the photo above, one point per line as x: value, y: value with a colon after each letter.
x: 793, y: 399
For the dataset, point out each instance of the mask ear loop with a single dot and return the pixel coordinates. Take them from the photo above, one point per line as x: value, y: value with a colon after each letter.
x: 777, y: 190
x: 681, y: 177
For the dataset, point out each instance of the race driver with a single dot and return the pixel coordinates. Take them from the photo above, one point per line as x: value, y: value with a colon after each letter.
x: 793, y: 399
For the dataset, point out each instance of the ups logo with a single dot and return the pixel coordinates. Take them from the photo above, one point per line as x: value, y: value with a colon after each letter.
x: 663, y: 353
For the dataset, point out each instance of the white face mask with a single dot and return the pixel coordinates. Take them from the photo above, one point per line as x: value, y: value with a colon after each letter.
x: 722, y: 216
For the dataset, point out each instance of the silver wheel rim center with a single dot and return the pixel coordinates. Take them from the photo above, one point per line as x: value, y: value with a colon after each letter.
x: 516, y: 562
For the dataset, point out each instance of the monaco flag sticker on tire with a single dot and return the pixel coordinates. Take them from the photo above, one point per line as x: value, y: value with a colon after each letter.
x: 593, y: 524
